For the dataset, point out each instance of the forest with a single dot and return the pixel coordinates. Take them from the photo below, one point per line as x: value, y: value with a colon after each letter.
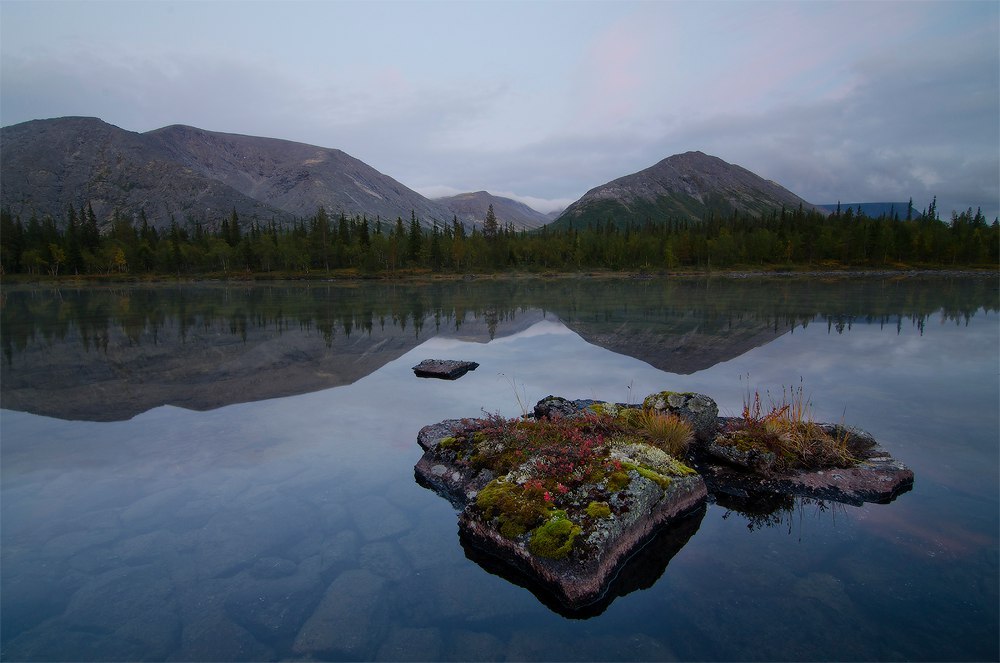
x: 326, y: 244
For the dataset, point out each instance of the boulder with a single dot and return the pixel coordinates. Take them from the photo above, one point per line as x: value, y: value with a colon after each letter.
x: 699, y: 410
x: 444, y: 369
x: 655, y: 491
x: 582, y: 580
x: 557, y: 406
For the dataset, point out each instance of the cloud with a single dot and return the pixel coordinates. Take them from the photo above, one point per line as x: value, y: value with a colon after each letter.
x: 142, y: 93
x: 835, y: 101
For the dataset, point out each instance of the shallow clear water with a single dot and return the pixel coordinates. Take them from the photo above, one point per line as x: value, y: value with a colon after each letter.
x: 290, y: 526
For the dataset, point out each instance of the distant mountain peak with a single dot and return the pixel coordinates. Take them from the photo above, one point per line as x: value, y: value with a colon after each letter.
x: 470, y: 208
x: 690, y: 185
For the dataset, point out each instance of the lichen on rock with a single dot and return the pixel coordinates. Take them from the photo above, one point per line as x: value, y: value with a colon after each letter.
x: 569, y: 493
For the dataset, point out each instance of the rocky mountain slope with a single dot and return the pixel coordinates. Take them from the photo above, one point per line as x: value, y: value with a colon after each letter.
x: 684, y: 186
x: 470, y: 209
x: 186, y: 173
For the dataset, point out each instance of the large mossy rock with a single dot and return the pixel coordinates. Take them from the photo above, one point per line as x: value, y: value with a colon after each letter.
x: 571, y: 535
x: 573, y: 543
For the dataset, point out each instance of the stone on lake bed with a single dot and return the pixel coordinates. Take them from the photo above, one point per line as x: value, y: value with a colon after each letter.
x: 444, y: 369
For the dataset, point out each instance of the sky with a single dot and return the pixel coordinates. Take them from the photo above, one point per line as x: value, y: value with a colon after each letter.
x: 542, y: 101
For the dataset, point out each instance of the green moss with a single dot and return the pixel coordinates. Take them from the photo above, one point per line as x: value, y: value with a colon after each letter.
x: 607, y: 409
x: 661, y: 399
x: 617, y: 481
x: 554, y: 539
x: 641, y: 454
x: 598, y: 510
x: 659, y: 479
x: 449, y: 443
x: 630, y: 416
x: 679, y: 469
x: 516, y: 508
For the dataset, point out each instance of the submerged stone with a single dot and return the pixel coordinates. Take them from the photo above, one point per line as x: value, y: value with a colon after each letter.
x: 444, y: 369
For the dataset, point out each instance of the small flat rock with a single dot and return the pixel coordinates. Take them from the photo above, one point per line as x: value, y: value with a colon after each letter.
x: 444, y: 369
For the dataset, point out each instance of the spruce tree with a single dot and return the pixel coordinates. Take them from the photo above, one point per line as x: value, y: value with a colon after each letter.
x: 490, y: 226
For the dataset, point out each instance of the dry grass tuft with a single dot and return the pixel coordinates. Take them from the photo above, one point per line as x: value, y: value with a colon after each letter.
x: 669, y: 432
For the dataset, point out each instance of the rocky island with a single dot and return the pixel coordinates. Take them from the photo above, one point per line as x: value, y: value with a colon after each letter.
x: 565, y: 496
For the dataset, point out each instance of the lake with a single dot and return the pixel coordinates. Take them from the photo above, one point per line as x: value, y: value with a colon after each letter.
x: 200, y: 472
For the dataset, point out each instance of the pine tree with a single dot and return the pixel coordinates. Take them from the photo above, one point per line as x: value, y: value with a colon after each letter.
x: 490, y: 226
x: 233, y: 238
x: 415, y: 237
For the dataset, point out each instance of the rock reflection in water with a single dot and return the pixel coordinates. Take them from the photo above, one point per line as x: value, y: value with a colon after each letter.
x: 108, y: 354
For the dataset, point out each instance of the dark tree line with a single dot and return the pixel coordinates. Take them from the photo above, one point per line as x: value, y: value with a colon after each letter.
x: 77, y: 244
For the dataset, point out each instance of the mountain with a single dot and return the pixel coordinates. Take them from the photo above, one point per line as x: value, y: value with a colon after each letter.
x: 185, y: 173
x: 47, y: 165
x: 872, y: 209
x: 470, y: 208
x: 684, y: 186
x: 295, y: 177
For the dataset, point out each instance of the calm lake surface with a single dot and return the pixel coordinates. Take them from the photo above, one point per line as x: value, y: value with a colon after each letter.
x: 197, y: 472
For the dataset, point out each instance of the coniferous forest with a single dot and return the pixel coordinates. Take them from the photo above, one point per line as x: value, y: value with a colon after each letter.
x: 784, y: 239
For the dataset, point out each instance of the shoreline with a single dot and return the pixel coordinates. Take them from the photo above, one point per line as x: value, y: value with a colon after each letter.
x: 421, y: 277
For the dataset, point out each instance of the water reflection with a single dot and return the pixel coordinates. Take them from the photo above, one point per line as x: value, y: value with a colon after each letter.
x: 775, y: 510
x: 229, y: 534
x: 107, y: 354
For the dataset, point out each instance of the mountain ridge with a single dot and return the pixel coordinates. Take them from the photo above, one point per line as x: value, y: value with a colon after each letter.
x: 470, y: 208
x: 183, y: 173
x: 690, y: 185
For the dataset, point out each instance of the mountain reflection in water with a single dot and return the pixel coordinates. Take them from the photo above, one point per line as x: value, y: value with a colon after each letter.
x: 291, y: 528
x: 110, y: 353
